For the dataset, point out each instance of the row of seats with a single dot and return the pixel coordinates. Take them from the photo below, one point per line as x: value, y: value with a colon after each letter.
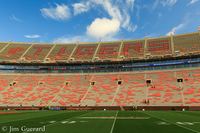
x: 125, y: 50
x: 157, y: 88
x: 187, y: 43
x: 160, y: 46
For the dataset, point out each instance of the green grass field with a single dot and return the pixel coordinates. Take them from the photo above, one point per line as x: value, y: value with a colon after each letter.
x: 100, y: 122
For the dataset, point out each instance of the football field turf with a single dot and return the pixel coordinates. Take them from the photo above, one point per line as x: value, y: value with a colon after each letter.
x: 100, y: 122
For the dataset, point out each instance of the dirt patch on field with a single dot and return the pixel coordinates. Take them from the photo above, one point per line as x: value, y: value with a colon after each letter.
x: 5, y: 113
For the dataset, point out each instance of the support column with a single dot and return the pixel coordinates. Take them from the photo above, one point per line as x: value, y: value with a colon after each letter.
x: 172, y: 44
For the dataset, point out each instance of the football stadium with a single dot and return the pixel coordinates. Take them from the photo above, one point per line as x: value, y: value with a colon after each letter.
x: 102, y: 87
x: 143, y: 83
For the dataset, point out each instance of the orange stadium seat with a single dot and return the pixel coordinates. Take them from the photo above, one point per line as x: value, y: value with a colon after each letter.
x: 14, y: 51
x: 132, y: 49
x: 108, y: 51
x: 2, y: 45
x: 61, y: 52
x: 159, y: 47
x: 102, y: 92
x: 131, y: 91
x: 188, y: 43
x: 176, y: 45
x: 37, y: 52
x: 162, y: 89
x: 84, y: 52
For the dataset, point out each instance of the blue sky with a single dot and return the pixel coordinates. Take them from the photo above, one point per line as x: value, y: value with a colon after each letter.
x: 56, y: 21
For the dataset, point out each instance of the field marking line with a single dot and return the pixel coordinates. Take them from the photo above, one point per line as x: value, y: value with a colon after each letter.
x: 113, y: 125
x: 61, y: 121
x: 195, y: 131
x: 113, y: 117
x: 67, y: 119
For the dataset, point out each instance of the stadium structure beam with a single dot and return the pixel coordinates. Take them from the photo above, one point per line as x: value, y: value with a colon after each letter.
x: 172, y: 44
x: 49, y: 52
x: 26, y: 51
x: 73, y: 51
x: 120, y: 50
x: 145, y: 47
x: 4, y: 47
x: 95, y: 53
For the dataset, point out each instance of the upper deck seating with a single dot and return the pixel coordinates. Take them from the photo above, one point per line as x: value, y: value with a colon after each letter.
x: 14, y: 51
x: 37, y: 52
x: 2, y: 45
x: 61, y: 52
x: 84, y: 52
x: 108, y: 51
x: 189, y: 43
x: 177, y: 45
x: 133, y: 49
x: 159, y: 47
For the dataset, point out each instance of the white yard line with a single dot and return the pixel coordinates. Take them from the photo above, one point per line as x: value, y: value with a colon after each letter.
x: 113, y: 125
x: 195, y: 131
x: 63, y: 120
x: 67, y: 119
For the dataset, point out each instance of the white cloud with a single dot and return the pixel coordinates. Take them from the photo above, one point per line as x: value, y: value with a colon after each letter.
x: 168, y: 2
x: 116, y: 10
x: 164, y: 3
x: 192, y: 2
x: 81, y: 7
x: 175, y: 29
x: 14, y: 18
x: 34, y: 36
x: 119, y: 16
x: 189, y: 23
x: 103, y: 27
x: 60, y: 12
x: 130, y: 3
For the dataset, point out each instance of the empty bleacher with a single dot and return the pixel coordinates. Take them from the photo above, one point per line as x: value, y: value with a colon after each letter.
x: 61, y: 52
x: 84, y: 52
x: 132, y: 49
x: 159, y: 47
x: 188, y: 43
x: 14, y: 51
x: 154, y: 88
x: 177, y: 45
x: 37, y: 52
x: 164, y: 89
x: 102, y: 92
x: 132, y: 90
x: 108, y: 51
x: 2, y: 45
